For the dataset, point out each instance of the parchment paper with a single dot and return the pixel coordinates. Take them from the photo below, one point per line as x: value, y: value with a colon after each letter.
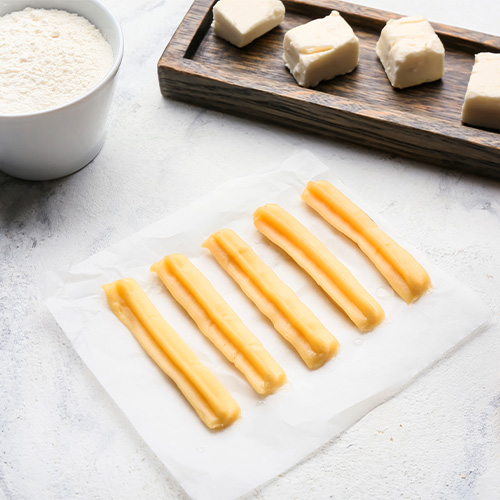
x: 275, y: 432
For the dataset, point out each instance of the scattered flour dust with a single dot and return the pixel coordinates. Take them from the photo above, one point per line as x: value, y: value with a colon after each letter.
x: 48, y: 58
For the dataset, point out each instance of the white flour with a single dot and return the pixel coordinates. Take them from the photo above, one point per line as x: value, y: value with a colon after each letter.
x: 48, y: 58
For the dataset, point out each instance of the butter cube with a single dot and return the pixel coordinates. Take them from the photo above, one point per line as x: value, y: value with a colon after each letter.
x: 482, y: 99
x: 410, y: 52
x: 242, y: 21
x: 320, y: 50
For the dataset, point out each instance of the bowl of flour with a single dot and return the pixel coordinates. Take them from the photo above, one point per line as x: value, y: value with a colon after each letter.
x: 58, y: 65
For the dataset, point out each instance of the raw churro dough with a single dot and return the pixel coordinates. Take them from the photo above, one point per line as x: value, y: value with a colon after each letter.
x: 328, y: 272
x: 291, y: 318
x: 406, y: 276
x: 219, y: 323
x: 211, y: 401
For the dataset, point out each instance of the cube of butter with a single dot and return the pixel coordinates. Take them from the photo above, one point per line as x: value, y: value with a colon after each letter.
x: 482, y: 98
x: 410, y: 52
x: 320, y: 50
x: 242, y: 21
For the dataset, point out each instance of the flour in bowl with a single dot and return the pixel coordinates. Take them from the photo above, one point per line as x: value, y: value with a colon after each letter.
x: 48, y: 58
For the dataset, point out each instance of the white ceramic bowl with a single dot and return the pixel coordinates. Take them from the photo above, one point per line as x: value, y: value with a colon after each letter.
x: 59, y: 141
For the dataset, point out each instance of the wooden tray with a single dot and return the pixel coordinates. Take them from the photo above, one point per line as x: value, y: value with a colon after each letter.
x: 421, y: 122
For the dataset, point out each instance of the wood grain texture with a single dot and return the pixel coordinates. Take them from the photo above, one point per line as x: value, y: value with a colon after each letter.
x: 421, y: 122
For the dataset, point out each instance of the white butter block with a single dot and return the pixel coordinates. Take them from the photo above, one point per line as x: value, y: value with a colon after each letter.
x: 242, y: 21
x: 320, y: 50
x: 410, y: 52
x: 482, y: 98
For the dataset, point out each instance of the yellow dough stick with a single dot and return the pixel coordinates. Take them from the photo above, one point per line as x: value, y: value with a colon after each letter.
x: 217, y: 321
x: 211, y: 401
x: 406, y: 276
x: 291, y: 318
x: 315, y: 258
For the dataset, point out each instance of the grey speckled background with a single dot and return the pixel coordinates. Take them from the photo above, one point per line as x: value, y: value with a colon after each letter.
x: 61, y: 436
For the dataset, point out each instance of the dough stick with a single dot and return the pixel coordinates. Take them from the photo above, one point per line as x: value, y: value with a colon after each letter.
x: 406, y: 276
x: 328, y: 272
x: 219, y: 323
x: 291, y: 318
x: 211, y: 401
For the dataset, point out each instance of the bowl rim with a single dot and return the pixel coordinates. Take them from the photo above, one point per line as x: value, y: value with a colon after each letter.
x: 111, y: 73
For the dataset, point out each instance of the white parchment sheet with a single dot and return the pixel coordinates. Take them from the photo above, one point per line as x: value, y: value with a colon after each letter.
x: 275, y: 432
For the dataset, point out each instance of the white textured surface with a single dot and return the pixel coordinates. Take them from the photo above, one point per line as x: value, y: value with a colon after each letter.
x: 61, y: 437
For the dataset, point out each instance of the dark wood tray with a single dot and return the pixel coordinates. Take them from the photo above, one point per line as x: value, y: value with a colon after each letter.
x: 421, y: 122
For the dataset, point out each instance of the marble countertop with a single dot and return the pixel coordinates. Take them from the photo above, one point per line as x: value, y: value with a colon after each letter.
x: 61, y: 435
